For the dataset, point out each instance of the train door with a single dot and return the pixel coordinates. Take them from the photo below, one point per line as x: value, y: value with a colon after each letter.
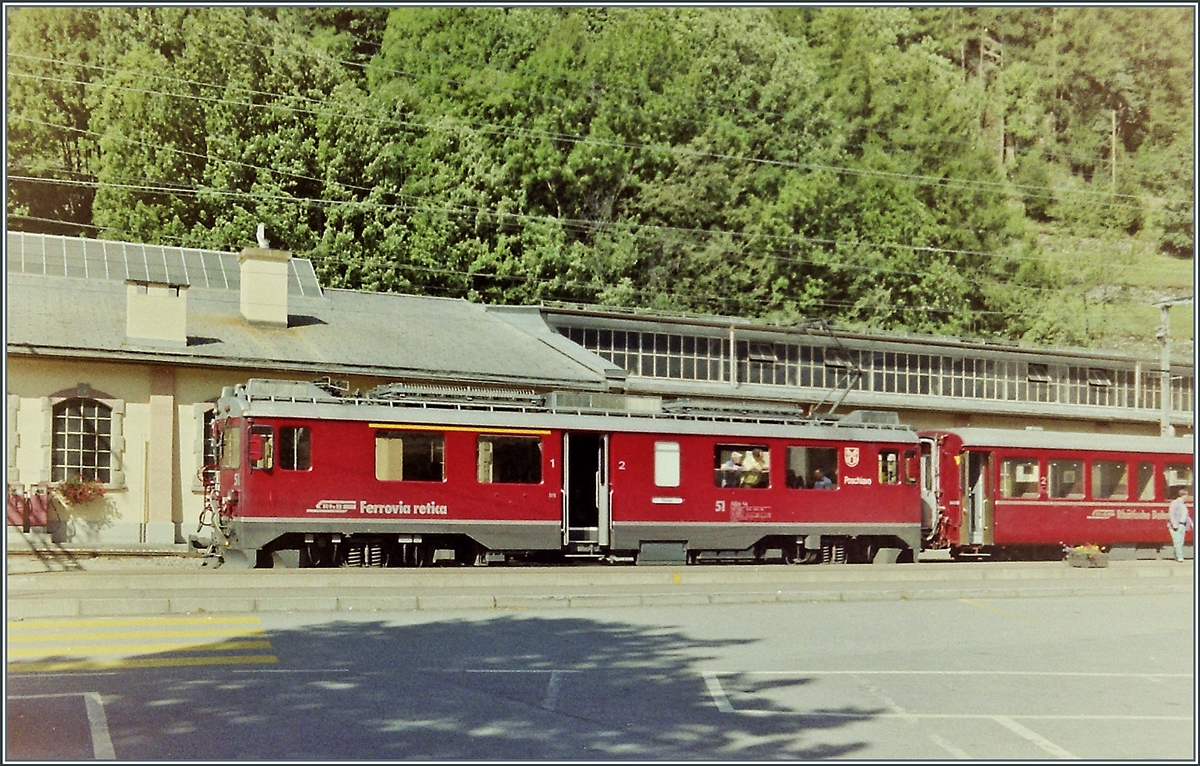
x: 930, y: 468
x: 977, y: 503
x: 587, y: 515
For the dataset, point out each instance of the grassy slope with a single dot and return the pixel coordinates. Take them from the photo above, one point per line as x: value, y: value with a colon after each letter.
x: 1109, y: 289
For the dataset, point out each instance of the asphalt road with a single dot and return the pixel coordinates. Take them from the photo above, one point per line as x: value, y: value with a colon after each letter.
x: 1091, y: 677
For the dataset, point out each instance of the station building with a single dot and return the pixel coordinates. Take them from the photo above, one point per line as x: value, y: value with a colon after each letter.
x: 117, y: 352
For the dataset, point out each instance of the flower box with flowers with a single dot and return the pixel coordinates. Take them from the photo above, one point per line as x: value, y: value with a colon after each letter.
x: 77, y: 491
x: 1087, y: 556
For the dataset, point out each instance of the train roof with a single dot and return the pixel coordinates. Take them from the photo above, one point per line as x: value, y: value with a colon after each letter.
x: 525, y: 409
x: 1036, y: 439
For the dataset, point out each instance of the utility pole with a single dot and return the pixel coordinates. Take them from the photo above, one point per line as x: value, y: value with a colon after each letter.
x: 1164, y: 338
x: 1113, y: 149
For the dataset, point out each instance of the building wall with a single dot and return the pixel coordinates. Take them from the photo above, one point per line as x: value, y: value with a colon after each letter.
x: 157, y: 414
x: 155, y: 493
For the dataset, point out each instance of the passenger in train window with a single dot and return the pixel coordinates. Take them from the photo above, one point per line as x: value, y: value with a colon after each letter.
x: 756, y: 469
x: 820, y: 480
x: 731, y: 470
x: 1179, y: 521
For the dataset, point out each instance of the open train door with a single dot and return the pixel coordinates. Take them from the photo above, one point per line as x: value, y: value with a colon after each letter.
x: 931, y: 461
x: 587, y: 513
x: 978, y: 498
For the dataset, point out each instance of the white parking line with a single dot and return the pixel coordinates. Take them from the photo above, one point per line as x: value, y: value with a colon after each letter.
x: 102, y: 746
x: 970, y: 716
x: 717, y: 693
x: 552, y: 688
x: 497, y: 670
x: 1063, y: 674
x: 941, y: 742
x: 1034, y: 737
x: 292, y: 670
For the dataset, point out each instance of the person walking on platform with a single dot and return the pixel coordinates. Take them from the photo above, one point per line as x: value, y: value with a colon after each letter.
x: 1179, y: 521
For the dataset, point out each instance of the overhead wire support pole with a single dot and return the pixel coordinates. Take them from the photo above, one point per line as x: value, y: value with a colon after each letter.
x: 1164, y: 338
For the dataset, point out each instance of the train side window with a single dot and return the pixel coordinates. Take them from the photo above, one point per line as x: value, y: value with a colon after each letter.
x: 1019, y: 478
x: 410, y: 456
x: 666, y: 464
x: 1145, y: 485
x: 1178, y: 475
x: 889, y: 466
x: 261, y: 449
x: 295, y: 448
x: 911, y: 467
x: 1110, y: 480
x: 509, y: 459
x: 812, y: 467
x: 231, y: 447
x: 1066, y: 478
x: 742, y: 465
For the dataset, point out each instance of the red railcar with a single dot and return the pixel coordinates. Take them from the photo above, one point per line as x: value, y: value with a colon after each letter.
x: 1016, y: 493
x: 407, y: 477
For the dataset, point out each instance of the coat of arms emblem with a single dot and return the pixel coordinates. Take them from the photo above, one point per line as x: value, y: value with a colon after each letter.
x: 850, y: 455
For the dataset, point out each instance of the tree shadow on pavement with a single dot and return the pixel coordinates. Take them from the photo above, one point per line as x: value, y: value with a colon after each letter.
x: 516, y: 687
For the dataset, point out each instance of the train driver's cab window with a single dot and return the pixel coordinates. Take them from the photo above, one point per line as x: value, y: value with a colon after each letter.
x: 295, y: 448
x: 1065, y: 478
x: 231, y: 447
x: 1019, y: 478
x: 1177, y: 475
x: 261, y: 449
x: 812, y: 468
x: 1145, y: 481
x: 509, y: 459
x: 1110, y: 480
x: 666, y: 464
x: 889, y: 466
x: 742, y: 465
x: 410, y: 456
x: 911, y: 467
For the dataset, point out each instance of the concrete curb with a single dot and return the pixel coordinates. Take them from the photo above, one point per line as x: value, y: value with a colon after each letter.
x: 66, y: 607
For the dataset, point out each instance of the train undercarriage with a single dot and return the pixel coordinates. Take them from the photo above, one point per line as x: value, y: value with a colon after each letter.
x: 331, y: 549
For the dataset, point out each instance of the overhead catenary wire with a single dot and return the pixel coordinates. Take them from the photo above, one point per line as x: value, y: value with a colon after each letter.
x: 1030, y: 191
x: 567, y: 284
x: 276, y: 27
x: 412, y: 201
x: 576, y: 225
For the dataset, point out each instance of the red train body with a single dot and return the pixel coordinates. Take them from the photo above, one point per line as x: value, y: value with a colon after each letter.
x: 406, y: 477
x: 1011, y: 493
x: 311, y: 479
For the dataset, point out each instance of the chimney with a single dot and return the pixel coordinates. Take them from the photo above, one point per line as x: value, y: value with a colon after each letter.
x: 156, y: 313
x: 265, y: 286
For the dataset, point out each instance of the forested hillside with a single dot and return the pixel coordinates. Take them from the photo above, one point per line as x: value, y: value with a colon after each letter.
x: 972, y: 172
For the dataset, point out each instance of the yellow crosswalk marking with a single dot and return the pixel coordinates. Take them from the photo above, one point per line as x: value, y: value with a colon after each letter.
x: 152, y: 662
x: 46, y: 637
x: 41, y: 646
x: 107, y: 649
x: 121, y: 622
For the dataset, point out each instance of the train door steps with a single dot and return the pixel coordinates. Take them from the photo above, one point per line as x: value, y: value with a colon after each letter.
x: 150, y: 590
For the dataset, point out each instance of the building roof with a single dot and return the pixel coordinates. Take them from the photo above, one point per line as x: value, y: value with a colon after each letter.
x: 67, y: 298
x: 53, y: 255
x: 1038, y: 439
x: 343, y: 332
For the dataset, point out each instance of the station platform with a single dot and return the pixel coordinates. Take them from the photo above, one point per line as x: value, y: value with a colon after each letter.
x: 85, y: 585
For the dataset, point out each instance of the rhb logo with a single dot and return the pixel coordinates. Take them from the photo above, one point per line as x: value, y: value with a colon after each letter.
x: 850, y: 456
